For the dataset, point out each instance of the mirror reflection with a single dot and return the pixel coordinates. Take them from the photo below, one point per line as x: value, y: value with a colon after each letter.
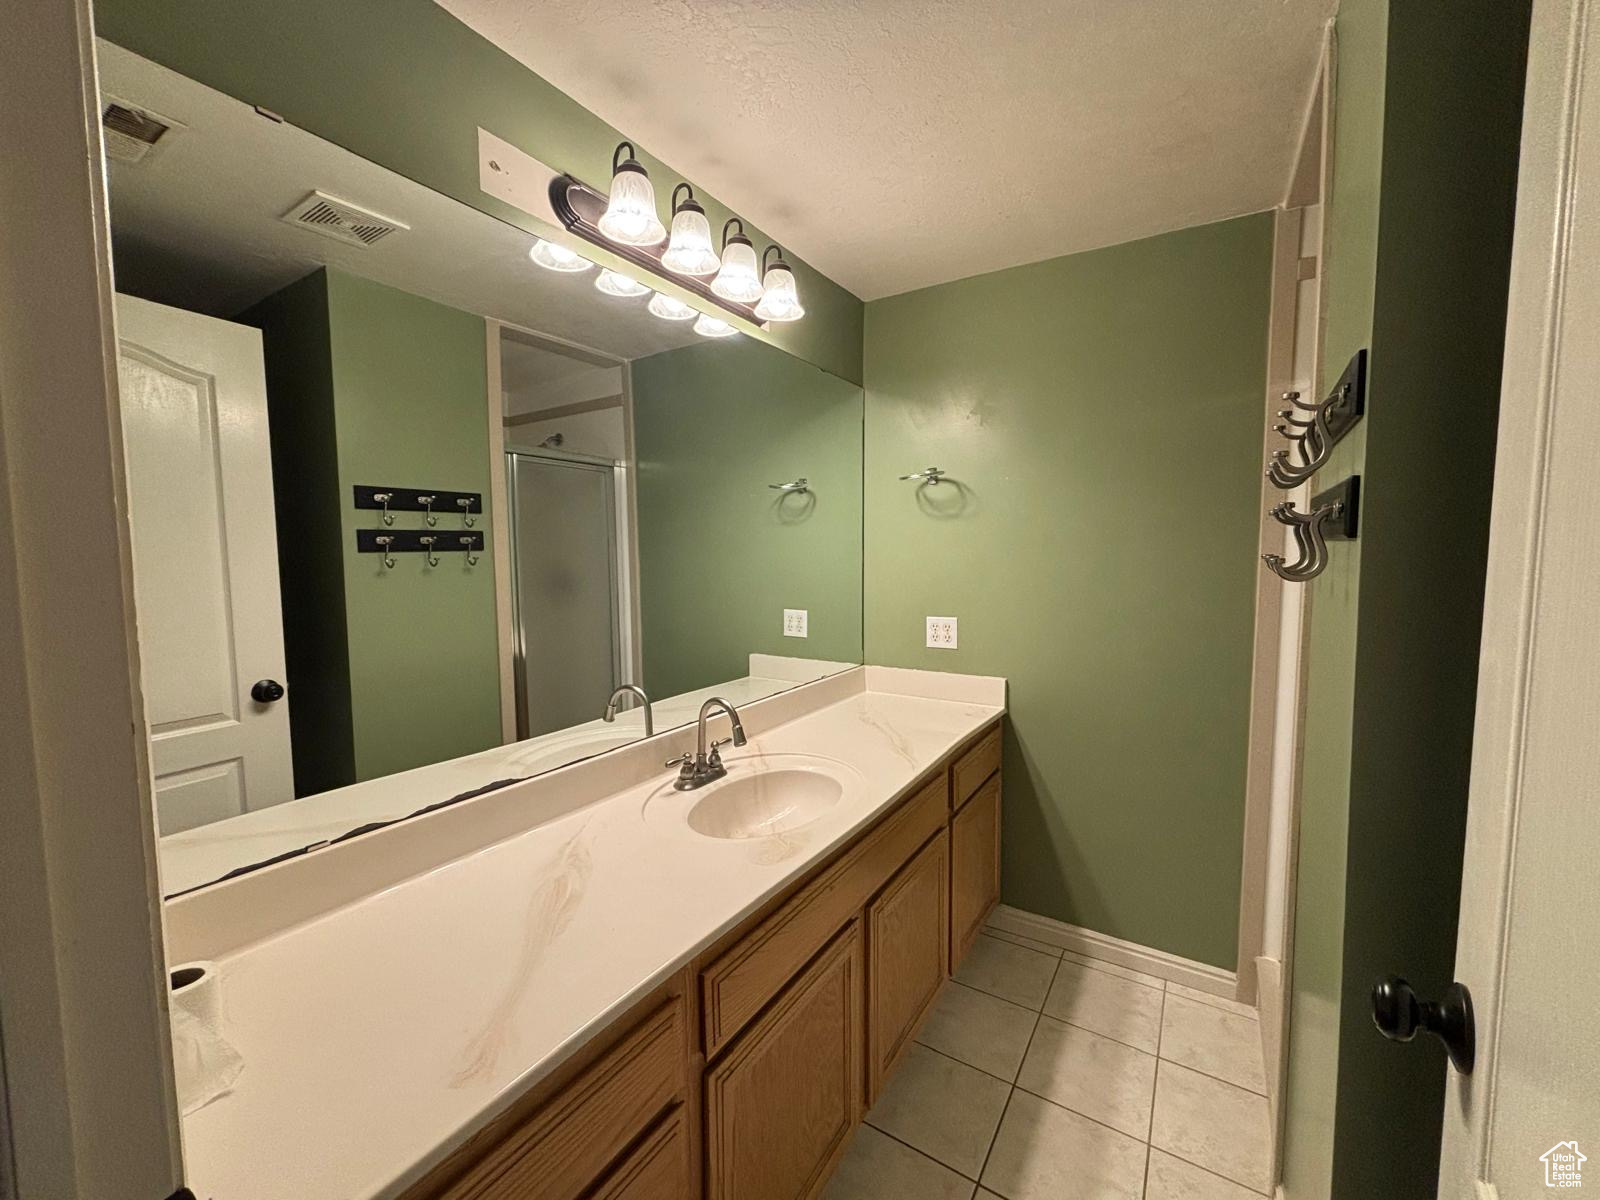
x: 414, y: 517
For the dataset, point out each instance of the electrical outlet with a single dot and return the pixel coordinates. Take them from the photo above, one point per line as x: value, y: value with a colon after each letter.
x: 794, y: 622
x: 942, y: 633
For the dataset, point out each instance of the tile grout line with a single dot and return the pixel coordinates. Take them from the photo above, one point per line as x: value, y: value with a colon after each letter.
x: 1155, y: 1082
x: 963, y: 1062
x: 938, y: 1162
x: 1249, y: 1091
x: 1005, y: 1108
x: 1158, y: 984
x: 1207, y: 1171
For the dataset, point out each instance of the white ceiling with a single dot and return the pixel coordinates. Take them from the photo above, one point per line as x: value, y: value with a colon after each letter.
x: 897, y: 145
x: 196, y: 224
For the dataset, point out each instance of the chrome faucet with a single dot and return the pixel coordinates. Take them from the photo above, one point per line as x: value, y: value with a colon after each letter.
x: 704, y: 767
x: 644, y: 698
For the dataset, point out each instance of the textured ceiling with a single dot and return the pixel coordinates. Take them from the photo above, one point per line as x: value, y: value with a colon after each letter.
x: 894, y: 145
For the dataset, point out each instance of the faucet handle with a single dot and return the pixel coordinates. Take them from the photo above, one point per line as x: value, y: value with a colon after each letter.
x: 715, y: 758
x: 686, y: 761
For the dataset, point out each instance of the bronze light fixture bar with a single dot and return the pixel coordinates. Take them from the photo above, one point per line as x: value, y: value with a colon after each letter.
x: 579, y: 208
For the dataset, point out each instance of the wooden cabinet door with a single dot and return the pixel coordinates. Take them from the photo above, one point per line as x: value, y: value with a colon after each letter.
x: 974, y: 867
x: 908, y: 940
x: 658, y: 1169
x: 782, y: 1102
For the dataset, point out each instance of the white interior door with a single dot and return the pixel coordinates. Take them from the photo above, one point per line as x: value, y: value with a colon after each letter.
x: 205, y: 561
x: 1529, y: 943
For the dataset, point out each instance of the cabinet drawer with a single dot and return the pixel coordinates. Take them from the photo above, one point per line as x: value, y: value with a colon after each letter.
x: 740, y: 982
x: 974, y: 867
x: 780, y: 1106
x: 974, y: 767
x: 568, y: 1143
x: 908, y: 940
x: 658, y: 1169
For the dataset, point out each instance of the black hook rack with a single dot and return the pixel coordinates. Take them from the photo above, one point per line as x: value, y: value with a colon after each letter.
x: 1334, y: 517
x: 1313, y: 430
x: 389, y: 542
x: 435, y: 502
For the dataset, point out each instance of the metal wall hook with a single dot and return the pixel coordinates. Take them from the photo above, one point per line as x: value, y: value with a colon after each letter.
x: 386, y: 542
x: 1333, y: 515
x: 464, y: 503
x: 469, y: 544
x: 1313, y: 430
x: 427, y: 541
x: 929, y: 475
x: 427, y: 507
x: 384, y: 498
x: 800, y: 486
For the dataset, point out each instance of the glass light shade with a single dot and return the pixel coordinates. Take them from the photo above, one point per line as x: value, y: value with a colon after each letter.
x: 615, y: 283
x: 630, y: 217
x: 690, y: 251
x: 670, y: 308
x: 738, y: 280
x: 556, y: 257
x: 709, y: 326
x: 780, y: 299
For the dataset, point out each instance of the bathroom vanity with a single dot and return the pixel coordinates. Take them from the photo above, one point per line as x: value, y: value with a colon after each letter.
x: 612, y: 1003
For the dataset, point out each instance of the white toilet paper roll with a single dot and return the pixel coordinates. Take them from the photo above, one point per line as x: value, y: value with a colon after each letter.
x: 204, y: 1061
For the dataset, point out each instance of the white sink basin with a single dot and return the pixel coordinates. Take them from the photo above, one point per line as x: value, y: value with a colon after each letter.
x: 762, y: 796
x: 764, y: 803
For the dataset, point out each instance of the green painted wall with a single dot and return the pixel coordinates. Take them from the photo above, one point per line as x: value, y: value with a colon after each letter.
x: 305, y: 482
x: 389, y: 668
x: 721, y: 555
x: 1427, y: 128
x: 1101, y: 414
x: 405, y: 84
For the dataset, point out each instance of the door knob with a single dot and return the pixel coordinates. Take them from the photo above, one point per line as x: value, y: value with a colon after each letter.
x: 1399, y: 1014
x: 265, y: 691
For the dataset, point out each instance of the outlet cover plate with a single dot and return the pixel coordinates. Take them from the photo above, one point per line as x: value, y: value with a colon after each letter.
x: 794, y: 622
x: 941, y: 633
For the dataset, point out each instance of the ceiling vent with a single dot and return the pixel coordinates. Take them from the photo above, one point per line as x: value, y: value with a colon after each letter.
x: 131, y: 133
x: 340, y: 219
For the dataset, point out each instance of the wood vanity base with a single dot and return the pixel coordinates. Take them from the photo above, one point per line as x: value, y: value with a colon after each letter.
x: 743, y: 1076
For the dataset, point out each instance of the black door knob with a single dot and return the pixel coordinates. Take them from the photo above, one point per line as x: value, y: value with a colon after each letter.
x: 1399, y: 1014
x: 265, y: 691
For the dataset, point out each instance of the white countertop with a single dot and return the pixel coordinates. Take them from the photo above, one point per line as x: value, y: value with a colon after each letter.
x: 378, y: 1036
x: 199, y: 856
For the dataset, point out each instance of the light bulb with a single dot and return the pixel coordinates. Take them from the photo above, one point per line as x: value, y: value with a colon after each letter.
x: 630, y: 216
x: 670, y: 308
x: 556, y: 257
x: 689, y: 252
x: 709, y: 326
x: 780, y: 299
x: 737, y: 280
x: 615, y: 283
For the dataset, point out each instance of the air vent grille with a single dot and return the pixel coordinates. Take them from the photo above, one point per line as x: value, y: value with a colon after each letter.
x: 130, y: 133
x: 335, y: 218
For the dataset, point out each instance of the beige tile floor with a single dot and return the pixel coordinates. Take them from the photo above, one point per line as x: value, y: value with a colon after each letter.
x: 1042, y: 1075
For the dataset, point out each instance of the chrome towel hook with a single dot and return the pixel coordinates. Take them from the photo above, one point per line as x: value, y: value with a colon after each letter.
x: 427, y: 541
x: 386, y: 541
x: 384, y: 498
x: 464, y: 503
x: 427, y: 507
x: 469, y: 544
x: 800, y: 486
x: 1313, y: 430
x: 1333, y: 515
x: 928, y: 475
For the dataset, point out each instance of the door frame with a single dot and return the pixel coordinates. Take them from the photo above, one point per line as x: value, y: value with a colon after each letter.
x: 83, y: 991
x: 1518, y: 589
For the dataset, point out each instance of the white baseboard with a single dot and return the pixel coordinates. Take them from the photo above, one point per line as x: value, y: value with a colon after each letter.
x: 1200, y: 976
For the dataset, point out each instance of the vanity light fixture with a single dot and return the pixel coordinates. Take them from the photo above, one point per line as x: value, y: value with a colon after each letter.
x: 670, y: 308
x: 615, y: 283
x: 556, y: 257
x: 737, y: 280
x: 630, y: 217
x: 708, y: 326
x: 690, y: 251
x: 780, y: 299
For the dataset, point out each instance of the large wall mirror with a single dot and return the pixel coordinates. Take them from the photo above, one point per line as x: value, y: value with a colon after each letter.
x: 613, y: 501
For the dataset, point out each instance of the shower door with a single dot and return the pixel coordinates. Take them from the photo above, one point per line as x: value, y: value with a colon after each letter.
x: 565, y: 588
